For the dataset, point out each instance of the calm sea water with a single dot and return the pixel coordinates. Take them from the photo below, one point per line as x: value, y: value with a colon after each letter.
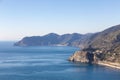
x: 48, y: 63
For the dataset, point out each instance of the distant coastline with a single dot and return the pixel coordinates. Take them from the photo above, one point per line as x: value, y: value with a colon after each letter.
x: 101, y: 48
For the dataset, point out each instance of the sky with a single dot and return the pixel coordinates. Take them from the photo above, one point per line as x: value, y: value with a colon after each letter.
x: 20, y: 18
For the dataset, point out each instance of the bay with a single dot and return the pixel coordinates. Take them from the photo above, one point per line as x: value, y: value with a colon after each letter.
x: 48, y: 63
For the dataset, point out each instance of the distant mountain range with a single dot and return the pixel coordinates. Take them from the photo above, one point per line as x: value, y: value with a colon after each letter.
x: 54, y: 39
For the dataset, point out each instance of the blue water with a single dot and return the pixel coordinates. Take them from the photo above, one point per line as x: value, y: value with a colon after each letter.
x: 48, y: 63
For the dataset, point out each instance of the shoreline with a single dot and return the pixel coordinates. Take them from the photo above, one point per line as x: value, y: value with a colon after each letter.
x: 109, y: 64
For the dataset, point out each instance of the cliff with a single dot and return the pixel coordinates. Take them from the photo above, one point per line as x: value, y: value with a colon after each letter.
x: 104, y: 47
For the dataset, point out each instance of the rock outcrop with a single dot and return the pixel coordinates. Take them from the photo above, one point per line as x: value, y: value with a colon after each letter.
x: 86, y: 56
x: 79, y: 56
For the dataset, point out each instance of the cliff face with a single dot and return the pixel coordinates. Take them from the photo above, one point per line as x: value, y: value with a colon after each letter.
x: 86, y: 56
x: 104, y: 46
x: 79, y: 56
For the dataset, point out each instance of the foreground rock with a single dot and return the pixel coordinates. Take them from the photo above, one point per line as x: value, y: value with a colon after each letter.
x: 79, y: 56
x: 87, y: 56
x: 93, y: 57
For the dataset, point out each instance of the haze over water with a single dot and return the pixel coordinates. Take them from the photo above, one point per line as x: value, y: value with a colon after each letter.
x: 48, y: 63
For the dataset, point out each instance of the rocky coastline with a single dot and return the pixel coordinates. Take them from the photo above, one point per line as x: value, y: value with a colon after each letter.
x: 92, y: 57
x: 100, y: 48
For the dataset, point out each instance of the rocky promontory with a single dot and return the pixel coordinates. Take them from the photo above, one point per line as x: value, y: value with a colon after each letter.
x: 79, y: 56
x: 102, y: 48
x: 87, y: 56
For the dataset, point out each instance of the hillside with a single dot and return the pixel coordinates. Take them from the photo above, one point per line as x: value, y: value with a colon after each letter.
x: 104, y: 46
x: 53, y: 39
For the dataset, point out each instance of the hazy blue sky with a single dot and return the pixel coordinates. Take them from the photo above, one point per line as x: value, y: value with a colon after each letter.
x: 19, y: 18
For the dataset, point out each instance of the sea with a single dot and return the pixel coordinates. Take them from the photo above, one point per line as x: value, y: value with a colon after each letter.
x: 48, y: 63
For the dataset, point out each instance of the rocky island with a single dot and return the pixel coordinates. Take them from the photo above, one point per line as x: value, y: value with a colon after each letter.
x: 99, y: 48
